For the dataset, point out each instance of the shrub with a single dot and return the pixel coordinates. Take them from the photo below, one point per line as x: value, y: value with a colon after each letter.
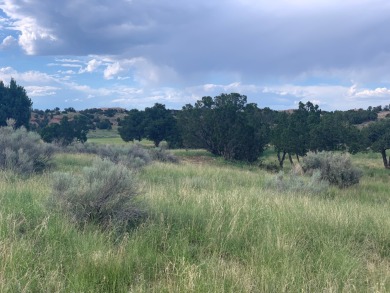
x: 269, y: 166
x: 133, y: 156
x: 162, y: 155
x: 23, y: 152
x: 163, y: 145
x: 335, y: 168
x: 299, y: 184
x: 104, y: 194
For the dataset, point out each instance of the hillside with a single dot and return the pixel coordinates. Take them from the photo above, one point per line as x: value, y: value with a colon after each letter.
x: 97, y: 118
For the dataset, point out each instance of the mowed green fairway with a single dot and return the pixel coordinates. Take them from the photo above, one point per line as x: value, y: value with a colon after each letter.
x: 211, y: 228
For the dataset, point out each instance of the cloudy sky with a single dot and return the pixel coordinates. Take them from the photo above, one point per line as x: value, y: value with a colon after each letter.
x: 134, y: 53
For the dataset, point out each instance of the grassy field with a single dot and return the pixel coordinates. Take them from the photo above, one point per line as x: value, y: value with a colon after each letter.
x: 100, y: 136
x: 112, y: 137
x: 212, y: 227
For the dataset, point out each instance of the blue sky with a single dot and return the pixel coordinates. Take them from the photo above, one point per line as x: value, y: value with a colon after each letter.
x: 134, y: 53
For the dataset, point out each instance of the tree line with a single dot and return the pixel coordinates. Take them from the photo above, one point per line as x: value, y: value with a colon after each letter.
x: 228, y: 126
x: 225, y: 125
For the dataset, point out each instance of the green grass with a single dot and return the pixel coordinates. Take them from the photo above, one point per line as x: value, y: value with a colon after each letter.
x: 117, y: 141
x: 103, y: 133
x: 211, y: 228
x: 102, y: 136
x: 72, y: 162
x: 107, y: 140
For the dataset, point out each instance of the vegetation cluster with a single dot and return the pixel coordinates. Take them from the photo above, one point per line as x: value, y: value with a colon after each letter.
x: 14, y: 104
x: 102, y: 194
x: 210, y: 227
x: 22, y: 151
x: 228, y: 126
x: 225, y: 125
x: 335, y: 168
x: 81, y: 217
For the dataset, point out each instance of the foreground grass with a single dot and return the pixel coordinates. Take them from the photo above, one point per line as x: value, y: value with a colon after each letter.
x: 212, y: 228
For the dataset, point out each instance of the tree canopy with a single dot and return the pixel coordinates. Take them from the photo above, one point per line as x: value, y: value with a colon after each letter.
x: 155, y: 123
x: 132, y: 127
x: 224, y: 126
x: 15, y: 104
x: 66, y: 131
x: 378, y: 135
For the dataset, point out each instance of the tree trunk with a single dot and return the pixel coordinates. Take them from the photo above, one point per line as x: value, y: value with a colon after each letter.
x: 290, y: 158
x: 298, y: 158
x: 281, y: 159
x: 385, y: 161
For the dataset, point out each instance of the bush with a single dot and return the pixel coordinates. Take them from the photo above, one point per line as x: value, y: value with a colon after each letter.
x: 269, y: 166
x: 162, y: 155
x: 133, y: 156
x: 104, y: 194
x: 299, y: 184
x: 23, y: 152
x: 335, y: 168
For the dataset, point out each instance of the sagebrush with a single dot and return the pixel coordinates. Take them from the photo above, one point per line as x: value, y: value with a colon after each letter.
x: 336, y: 168
x: 162, y: 155
x: 134, y: 156
x: 292, y: 182
x: 102, y: 194
x: 22, y: 151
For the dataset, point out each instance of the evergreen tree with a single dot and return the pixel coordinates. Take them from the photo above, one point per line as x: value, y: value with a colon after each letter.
x: 15, y: 104
x: 378, y: 135
x: 160, y: 124
x: 66, y: 131
x: 132, y: 127
x: 224, y: 126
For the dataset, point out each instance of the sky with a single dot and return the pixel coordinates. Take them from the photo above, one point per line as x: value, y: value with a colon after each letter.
x: 135, y: 53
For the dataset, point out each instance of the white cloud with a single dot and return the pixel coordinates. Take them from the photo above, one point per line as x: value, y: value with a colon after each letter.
x: 39, y: 91
x: 7, y: 42
x: 93, y: 65
x: 71, y: 72
x: 7, y: 71
x: 70, y: 65
x: 31, y: 76
x: 117, y: 66
x: 33, y: 35
x: 142, y: 71
x: 68, y: 60
x: 287, y: 96
x: 113, y: 70
x: 379, y: 93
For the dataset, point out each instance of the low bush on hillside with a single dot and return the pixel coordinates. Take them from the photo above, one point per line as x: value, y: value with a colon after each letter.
x: 162, y: 155
x: 335, y: 168
x: 293, y: 182
x: 103, y: 194
x: 133, y: 155
x: 23, y: 152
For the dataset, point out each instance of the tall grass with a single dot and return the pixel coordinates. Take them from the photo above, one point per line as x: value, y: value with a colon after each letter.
x: 211, y: 229
x: 244, y: 238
